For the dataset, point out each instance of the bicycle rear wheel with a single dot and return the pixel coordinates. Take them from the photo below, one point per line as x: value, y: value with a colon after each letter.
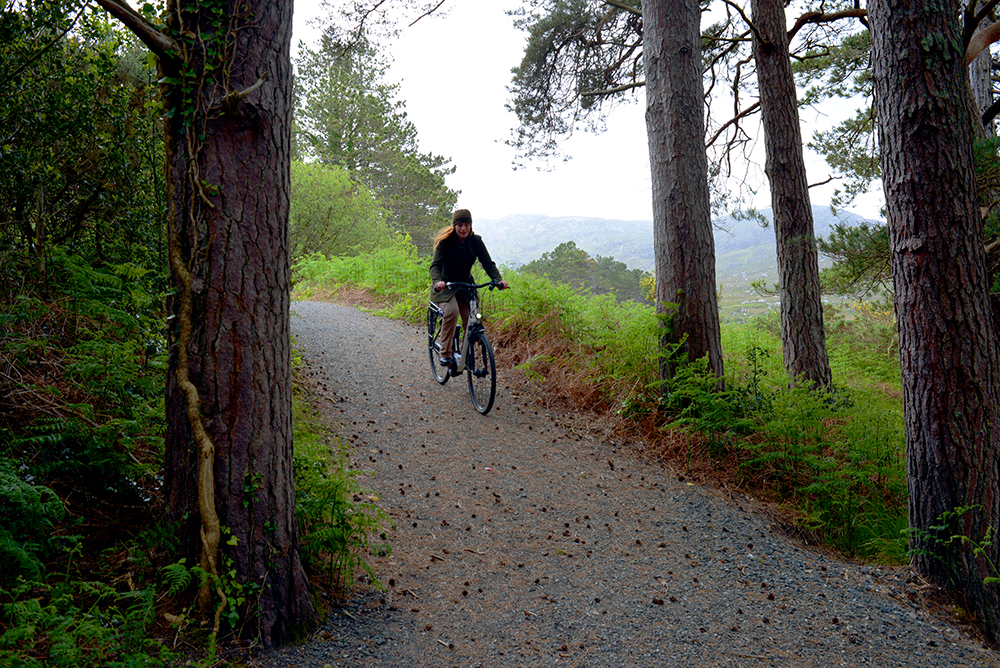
x: 482, y: 371
x: 440, y: 373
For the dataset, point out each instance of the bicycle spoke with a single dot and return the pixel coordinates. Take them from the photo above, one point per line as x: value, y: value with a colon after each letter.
x: 482, y: 373
x: 440, y: 373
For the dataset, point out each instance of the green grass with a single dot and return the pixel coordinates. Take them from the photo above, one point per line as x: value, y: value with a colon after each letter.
x: 833, y: 463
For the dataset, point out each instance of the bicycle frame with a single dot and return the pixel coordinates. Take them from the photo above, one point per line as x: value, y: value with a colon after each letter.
x: 474, y: 325
x: 465, y: 350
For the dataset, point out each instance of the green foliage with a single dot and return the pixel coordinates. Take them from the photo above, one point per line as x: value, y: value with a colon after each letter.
x: 835, y: 462
x: 340, y: 528
x: 237, y: 593
x: 862, y: 264
x: 851, y: 149
x: 987, y: 162
x: 176, y: 578
x: 28, y: 515
x: 81, y: 419
x: 724, y: 416
x: 77, y: 624
x: 843, y: 70
x: 580, y: 60
x: 98, y: 354
x: 861, y: 260
x: 80, y: 145
x: 346, y: 115
x: 839, y: 70
x: 863, y: 342
x: 598, y: 275
x: 395, y: 278
x: 332, y: 215
x: 942, y: 539
x: 595, y: 348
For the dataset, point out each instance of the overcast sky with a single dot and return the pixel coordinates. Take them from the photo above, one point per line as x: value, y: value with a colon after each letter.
x: 454, y: 70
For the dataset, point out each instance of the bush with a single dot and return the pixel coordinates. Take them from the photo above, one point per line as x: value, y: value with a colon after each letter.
x: 29, y: 514
x: 80, y: 425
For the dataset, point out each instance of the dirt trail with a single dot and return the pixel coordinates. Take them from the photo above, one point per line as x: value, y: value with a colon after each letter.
x: 524, y: 538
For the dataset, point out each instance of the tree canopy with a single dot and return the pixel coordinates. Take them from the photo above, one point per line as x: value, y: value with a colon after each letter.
x: 347, y: 115
x: 567, y: 263
x: 332, y: 214
x: 79, y: 144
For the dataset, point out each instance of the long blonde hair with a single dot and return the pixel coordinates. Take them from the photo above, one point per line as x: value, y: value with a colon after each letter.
x: 446, y: 232
x: 443, y: 234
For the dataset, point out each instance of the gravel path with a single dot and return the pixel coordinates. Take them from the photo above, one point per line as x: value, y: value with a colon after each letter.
x: 527, y: 538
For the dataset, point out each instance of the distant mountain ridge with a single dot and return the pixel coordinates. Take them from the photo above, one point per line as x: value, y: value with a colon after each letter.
x: 744, y: 251
x: 519, y: 239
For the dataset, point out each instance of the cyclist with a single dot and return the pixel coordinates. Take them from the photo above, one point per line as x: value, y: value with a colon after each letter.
x: 456, y: 249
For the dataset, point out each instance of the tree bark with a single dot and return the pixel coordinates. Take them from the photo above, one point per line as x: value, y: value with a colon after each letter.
x: 228, y: 147
x: 682, y: 221
x: 803, y: 337
x: 948, y: 348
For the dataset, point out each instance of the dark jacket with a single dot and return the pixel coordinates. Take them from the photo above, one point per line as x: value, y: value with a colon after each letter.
x: 453, y: 260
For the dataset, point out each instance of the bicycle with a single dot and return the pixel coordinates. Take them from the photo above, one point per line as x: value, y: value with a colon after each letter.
x: 472, y: 353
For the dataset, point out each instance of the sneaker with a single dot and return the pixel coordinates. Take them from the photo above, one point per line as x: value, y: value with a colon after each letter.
x: 446, y: 361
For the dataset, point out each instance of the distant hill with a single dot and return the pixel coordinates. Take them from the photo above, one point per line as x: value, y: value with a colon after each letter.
x: 744, y: 251
x: 519, y: 239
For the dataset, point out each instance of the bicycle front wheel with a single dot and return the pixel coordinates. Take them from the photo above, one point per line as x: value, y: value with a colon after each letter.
x: 482, y: 371
x: 440, y: 373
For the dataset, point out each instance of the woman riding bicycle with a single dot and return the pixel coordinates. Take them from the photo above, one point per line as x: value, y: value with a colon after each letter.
x: 456, y: 249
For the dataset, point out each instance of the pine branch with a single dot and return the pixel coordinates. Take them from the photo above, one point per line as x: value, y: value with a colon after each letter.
x: 622, y: 6
x: 611, y: 91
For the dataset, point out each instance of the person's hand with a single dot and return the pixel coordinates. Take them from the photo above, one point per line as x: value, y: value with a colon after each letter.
x: 503, y: 285
x: 439, y: 286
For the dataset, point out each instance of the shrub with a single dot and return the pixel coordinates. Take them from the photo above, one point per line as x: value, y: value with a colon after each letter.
x: 80, y: 425
x: 29, y: 514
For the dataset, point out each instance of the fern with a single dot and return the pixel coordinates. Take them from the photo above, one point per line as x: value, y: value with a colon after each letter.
x: 45, y: 434
x: 177, y: 577
x: 77, y: 624
x: 28, y: 514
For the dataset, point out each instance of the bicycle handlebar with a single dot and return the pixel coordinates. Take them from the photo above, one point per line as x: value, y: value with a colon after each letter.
x: 456, y: 284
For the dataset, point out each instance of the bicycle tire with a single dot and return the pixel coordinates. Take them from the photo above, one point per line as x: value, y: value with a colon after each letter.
x: 482, y: 370
x: 440, y: 373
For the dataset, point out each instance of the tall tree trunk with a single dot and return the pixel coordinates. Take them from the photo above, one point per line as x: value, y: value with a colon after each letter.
x: 948, y: 348
x: 803, y: 337
x: 682, y: 220
x: 229, y: 431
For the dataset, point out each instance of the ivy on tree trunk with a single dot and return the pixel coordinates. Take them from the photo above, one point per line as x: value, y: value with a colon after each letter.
x: 229, y: 484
